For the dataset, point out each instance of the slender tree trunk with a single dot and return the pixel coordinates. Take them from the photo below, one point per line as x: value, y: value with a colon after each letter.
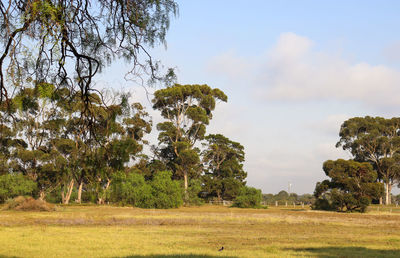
x: 69, y: 192
x: 390, y: 185
x: 42, y: 195
x: 79, y: 200
x: 185, y: 179
x: 387, y: 194
x: 103, y: 197
x: 380, y: 200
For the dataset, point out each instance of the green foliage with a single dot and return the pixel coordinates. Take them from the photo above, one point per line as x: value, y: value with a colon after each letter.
x: 224, y: 173
x: 132, y: 189
x: 351, y: 188
x: 248, y: 197
x: 194, y: 190
x: 13, y: 185
x: 187, y: 110
x: 167, y: 193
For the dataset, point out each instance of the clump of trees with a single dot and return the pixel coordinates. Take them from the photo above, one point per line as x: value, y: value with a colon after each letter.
x: 374, y: 143
x: 48, y: 152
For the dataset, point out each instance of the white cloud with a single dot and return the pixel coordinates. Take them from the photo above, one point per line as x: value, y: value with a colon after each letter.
x: 392, y: 52
x: 231, y: 65
x: 294, y: 70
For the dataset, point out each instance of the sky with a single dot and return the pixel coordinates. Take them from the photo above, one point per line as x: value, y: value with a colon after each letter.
x: 293, y: 71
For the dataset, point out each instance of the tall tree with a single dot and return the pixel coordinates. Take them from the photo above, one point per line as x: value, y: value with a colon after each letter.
x: 37, y: 124
x: 375, y: 140
x: 224, y: 174
x: 187, y: 109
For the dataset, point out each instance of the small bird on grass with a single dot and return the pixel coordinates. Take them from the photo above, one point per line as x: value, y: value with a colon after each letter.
x: 222, y: 248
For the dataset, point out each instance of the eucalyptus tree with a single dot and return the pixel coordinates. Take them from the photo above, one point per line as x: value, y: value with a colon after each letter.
x: 375, y: 140
x: 119, y: 131
x: 67, y: 43
x: 187, y: 110
x: 36, y: 123
x: 224, y: 174
x: 352, y: 186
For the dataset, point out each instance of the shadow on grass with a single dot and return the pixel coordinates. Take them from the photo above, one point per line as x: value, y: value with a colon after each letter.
x: 346, y: 252
x: 176, y: 256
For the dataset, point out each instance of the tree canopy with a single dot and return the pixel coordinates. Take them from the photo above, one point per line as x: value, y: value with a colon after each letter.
x: 352, y: 186
x: 66, y: 43
x: 224, y: 174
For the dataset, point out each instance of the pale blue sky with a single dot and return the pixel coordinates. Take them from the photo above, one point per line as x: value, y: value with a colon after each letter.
x: 293, y: 72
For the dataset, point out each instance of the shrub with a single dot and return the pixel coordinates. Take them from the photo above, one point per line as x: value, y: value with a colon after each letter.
x: 194, y: 190
x: 12, y: 185
x: 248, y: 197
x: 131, y: 189
x: 22, y: 203
x: 167, y: 193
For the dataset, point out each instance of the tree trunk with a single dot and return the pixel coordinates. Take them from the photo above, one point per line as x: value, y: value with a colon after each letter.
x: 185, y: 179
x: 390, y: 185
x: 42, y: 195
x: 387, y: 194
x: 103, y: 197
x: 380, y: 200
x: 79, y: 200
x: 69, y: 192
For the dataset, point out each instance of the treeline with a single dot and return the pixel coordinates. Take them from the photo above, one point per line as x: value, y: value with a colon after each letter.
x: 282, y: 197
x: 65, y: 147
x: 374, y: 143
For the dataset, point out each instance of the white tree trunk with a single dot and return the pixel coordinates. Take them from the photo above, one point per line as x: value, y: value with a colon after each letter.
x: 69, y: 192
x: 79, y: 200
x: 185, y: 179
x: 387, y: 194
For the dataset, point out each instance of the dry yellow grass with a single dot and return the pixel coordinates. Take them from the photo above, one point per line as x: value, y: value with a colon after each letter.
x: 91, y: 231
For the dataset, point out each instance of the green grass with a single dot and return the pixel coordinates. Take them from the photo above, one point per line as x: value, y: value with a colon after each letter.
x: 91, y: 231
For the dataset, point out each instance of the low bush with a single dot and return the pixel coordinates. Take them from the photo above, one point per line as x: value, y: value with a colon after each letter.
x: 248, y: 197
x: 13, y: 185
x: 22, y: 203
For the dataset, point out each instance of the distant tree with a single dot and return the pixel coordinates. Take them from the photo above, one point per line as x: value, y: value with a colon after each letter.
x: 282, y: 195
x: 352, y: 186
x: 224, y: 174
x: 187, y: 109
x: 375, y: 140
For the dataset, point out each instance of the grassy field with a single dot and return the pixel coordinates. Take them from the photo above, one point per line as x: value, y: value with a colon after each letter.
x: 90, y: 231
